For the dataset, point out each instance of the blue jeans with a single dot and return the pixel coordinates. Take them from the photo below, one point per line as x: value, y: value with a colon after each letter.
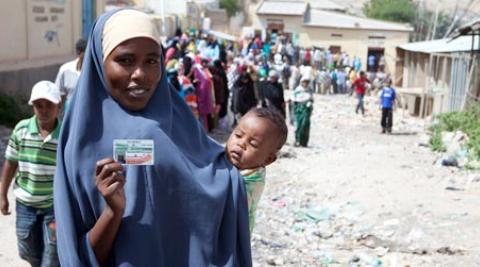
x: 360, y: 104
x: 37, y: 243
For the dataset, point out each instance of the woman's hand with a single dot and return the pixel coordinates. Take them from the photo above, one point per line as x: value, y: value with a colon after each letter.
x: 110, y: 181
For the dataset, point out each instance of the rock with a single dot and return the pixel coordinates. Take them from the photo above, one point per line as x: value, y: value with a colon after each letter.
x: 474, y: 179
x: 275, y: 261
x: 323, y: 235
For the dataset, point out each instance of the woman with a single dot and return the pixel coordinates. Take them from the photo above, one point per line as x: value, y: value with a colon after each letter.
x: 243, y: 96
x: 220, y: 85
x: 186, y: 209
x: 205, y: 95
x: 303, y: 106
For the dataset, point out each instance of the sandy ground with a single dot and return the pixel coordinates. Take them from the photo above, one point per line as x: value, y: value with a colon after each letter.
x: 353, y: 197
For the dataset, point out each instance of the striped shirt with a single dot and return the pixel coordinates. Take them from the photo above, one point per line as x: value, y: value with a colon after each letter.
x: 36, y: 159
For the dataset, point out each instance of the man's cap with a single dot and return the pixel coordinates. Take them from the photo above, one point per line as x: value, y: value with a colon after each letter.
x: 45, y: 90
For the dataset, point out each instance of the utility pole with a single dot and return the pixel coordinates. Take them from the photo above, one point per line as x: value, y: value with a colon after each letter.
x: 435, y: 21
x: 459, y: 18
x: 162, y: 11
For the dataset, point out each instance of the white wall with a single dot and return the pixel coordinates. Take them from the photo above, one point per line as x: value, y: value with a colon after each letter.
x: 171, y: 6
x: 38, y: 33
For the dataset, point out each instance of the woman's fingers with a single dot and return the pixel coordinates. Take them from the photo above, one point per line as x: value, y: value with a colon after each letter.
x: 114, y: 187
x: 108, y: 169
x: 114, y: 177
x: 101, y: 163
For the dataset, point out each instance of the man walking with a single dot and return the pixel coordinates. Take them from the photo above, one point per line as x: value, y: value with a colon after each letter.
x: 360, y: 88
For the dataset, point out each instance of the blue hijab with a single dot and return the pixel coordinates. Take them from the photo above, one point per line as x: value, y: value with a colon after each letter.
x: 188, y: 209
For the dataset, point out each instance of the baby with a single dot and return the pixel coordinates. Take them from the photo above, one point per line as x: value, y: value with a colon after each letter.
x: 253, y: 145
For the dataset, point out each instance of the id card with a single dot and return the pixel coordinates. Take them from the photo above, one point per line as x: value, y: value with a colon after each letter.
x: 133, y: 151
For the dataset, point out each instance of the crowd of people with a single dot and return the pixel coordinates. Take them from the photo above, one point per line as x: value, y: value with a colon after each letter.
x: 214, y: 75
x: 194, y: 204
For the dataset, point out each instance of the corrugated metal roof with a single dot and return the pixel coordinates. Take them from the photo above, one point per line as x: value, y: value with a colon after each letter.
x: 320, y: 18
x: 282, y: 8
x: 461, y: 44
x: 326, y: 5
x: 468, y: 28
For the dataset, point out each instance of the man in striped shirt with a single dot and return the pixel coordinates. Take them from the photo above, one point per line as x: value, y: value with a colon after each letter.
x: 31, y: 159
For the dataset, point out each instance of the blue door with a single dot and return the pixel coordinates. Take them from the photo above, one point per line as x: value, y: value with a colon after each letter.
x: 88, y: 16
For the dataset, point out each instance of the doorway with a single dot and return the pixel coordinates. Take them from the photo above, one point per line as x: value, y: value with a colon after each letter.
x: 376, y: 59
x: 334, y: 49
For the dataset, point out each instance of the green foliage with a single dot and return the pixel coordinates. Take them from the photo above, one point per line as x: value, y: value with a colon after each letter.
x: 392, y: 10
x: 231, y: 6
x: 467, y: 121
x: 10, y: 112
x: 436, y: 141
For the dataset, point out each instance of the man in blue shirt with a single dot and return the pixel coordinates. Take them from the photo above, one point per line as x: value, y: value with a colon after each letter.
x: 387, y: 99
x: 371, y: 60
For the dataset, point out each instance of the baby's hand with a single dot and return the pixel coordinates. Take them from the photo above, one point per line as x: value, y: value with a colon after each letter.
x: 110, y: 181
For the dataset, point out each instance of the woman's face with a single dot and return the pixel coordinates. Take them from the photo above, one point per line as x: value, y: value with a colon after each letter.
x: 132, y: 71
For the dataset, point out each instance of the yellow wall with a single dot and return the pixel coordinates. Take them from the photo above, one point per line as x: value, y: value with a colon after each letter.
x: 38, y: 33
x: 357, y: 42
x: 354, y: 42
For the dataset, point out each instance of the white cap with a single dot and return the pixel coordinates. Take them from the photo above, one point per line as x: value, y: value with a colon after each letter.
x: 305, y: 78
x: 273, y: 73
x: 45, y: 90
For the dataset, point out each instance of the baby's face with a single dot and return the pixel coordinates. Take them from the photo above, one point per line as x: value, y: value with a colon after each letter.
x: 250, y: 146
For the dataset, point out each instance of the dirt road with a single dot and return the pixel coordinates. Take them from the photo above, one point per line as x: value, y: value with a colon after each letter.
x: 356, y: 195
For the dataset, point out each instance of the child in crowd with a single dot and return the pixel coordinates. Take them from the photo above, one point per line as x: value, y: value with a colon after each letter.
x: 253, y: 145
x: 31, y: 154
x: 387, y: 100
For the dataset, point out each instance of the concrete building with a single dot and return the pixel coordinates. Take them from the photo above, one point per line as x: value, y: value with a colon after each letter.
x: 39, y: 36
x: 441, y: 75
x: 324, y: 24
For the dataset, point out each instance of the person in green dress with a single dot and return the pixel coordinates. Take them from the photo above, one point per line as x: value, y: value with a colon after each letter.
x: 303, y: 107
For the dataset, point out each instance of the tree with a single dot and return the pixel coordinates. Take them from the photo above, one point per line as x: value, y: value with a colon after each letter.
x: 231, y: 6
x: 391, y: 10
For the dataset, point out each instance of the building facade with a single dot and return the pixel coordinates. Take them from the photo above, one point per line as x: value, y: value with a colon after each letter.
x: 331, y: 29
x: 39, y: 36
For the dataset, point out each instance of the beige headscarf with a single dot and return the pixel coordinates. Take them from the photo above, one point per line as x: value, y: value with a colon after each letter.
x: 125, y: 25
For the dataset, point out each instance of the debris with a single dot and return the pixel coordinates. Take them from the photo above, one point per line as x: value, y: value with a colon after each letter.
x: 449, y: 251
x: 449, y: 162
x: 371, y: 261
x: 314, y: 215
x: 451, y: 188
x: 324, y: 257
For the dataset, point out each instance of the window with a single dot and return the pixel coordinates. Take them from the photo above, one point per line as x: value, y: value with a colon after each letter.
x: 376, y: 37
x: 337, y: 35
